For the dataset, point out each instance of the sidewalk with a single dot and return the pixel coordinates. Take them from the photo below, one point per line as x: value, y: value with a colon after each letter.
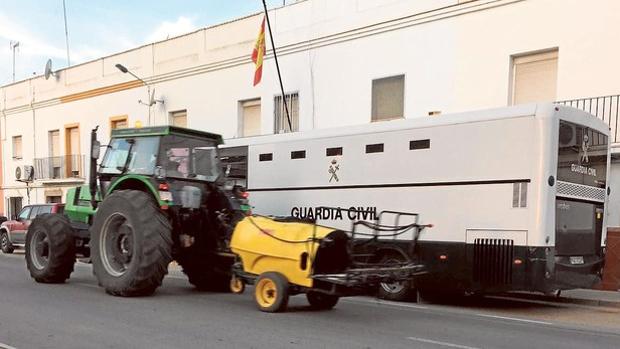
x: 578, y: 296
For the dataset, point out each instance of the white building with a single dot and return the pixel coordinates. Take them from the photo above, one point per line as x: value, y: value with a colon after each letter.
x: 343, y: 62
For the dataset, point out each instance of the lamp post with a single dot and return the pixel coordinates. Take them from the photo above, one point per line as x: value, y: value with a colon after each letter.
x: 124, y: 70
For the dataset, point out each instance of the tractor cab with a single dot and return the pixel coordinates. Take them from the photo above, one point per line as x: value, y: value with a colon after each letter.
x: 165, y: 158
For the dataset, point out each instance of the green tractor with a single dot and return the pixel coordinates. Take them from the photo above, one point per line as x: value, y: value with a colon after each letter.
x: 158, y: 195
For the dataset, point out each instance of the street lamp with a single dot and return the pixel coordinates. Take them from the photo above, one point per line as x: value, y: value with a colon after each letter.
x: 151, y: 96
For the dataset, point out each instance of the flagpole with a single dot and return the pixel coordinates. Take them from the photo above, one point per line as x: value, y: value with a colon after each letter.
x: 275, y: 56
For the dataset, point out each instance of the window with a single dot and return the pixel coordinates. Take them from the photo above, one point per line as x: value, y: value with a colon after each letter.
x: 265, y: 157
x: 420, y: 144
x: 73, y: 162
x: 374, y: 148
x: 250, y: 120
x: 118, y: 122
x: 178, y: 118
x: 23, y: 215
x: 300, y: 154
x: 53, y: 199
x: 133, y: 156
x: 188, y: 157
x: 281, y: 121
x: 17, y: 147
x: 333, y: 151
x: 534, y: 77
x: 388, y: 98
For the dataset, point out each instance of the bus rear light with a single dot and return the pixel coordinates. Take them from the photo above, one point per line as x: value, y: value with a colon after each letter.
x: 443, y: 257
x: 517, y: 261
x: 164, y: 186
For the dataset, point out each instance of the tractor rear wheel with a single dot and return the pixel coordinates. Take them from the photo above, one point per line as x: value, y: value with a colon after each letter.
x: 131, y: 244
x: 50, y: 248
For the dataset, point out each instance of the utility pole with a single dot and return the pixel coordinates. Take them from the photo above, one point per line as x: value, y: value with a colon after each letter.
x: 275, y: 56
x: 14, y: 46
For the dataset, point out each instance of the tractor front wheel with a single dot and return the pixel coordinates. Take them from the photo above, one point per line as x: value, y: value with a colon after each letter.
x: 130, y: 244
x: 50, y: 248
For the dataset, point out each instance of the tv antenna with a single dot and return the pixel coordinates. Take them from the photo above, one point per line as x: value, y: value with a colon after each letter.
x: 152, y: 101
x: 48, y: 70
x: 14, y: 46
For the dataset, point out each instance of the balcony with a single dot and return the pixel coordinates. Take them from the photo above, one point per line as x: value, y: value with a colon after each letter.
x: 605, y: 108
x: 59, y: 167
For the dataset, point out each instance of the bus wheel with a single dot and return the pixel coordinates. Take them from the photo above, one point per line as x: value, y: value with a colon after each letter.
x: 396, y: 291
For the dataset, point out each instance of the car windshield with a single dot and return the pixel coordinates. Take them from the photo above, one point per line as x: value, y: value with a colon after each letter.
x: 131, y: 156
x: 184, y: 157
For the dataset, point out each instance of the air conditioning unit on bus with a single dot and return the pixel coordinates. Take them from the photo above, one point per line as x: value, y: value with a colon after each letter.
x: 568, y: 135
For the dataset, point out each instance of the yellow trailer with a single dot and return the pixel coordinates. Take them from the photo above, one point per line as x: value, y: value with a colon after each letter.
x: 285, y: 256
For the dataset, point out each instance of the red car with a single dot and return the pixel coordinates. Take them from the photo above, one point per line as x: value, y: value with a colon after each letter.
x: 13, y: 233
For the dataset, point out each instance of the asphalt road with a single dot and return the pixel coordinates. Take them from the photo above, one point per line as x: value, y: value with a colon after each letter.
x: 79, y: 314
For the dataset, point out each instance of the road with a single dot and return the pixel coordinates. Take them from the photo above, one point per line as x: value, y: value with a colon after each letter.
x: 79, y: 314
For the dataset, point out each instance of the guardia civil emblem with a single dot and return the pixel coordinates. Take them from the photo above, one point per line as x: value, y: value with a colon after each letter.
x: 333, y: 168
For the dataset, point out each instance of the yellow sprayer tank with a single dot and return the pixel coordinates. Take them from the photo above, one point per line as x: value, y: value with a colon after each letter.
x: 289, y: 247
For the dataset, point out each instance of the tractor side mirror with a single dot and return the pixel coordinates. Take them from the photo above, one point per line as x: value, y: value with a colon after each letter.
x: 95, y: 150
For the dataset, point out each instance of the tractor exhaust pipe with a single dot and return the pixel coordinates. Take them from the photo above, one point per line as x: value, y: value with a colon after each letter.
x: 95, y: 148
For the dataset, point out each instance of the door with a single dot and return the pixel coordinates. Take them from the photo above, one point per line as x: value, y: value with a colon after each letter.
x: 20, y: 226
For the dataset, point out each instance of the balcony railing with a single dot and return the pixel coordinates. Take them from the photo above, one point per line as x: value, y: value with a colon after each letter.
x: 59, y: 167
x: 605, y: 108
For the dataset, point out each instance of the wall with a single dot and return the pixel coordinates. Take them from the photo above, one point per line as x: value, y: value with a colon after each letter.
x: 454, y: 57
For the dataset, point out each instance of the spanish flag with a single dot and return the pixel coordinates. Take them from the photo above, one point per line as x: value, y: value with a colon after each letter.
x: 258, y: 53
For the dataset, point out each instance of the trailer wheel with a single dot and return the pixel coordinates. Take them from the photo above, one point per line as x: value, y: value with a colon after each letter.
x: 130, y: 244
x: 50, y: 249
x: 237, y: 286
x: 395, y: 291
x: 271, y: 292
x: 5, y: 243
x: 321, y: 301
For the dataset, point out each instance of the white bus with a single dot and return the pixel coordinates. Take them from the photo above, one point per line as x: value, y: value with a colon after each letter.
x: 517, y: 195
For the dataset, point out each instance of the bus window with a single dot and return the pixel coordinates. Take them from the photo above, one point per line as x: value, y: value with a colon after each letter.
x: 420, y: 144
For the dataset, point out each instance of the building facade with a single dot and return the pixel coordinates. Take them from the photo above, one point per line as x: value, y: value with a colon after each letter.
x: 343, y: 62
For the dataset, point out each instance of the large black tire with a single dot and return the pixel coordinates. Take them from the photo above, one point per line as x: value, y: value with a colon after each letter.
x: 397, y: 291
x: 131, y: 244
x: 200, y: 273
x: 5, y: 243
x: 271, y: 292
x: 321, y: 301
x: 50, y: 248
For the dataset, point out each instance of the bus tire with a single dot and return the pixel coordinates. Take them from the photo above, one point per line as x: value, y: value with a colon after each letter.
x: 396, y: 291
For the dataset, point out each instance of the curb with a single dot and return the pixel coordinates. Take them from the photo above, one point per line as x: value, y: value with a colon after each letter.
x: 562, y: 300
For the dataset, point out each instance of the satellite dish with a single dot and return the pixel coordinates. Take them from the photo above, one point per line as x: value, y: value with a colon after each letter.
x: 48, y: 69
x: 18, y: 173
x: 152, y: 98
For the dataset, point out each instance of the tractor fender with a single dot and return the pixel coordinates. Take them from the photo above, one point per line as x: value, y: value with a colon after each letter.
x: 136, y: 182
